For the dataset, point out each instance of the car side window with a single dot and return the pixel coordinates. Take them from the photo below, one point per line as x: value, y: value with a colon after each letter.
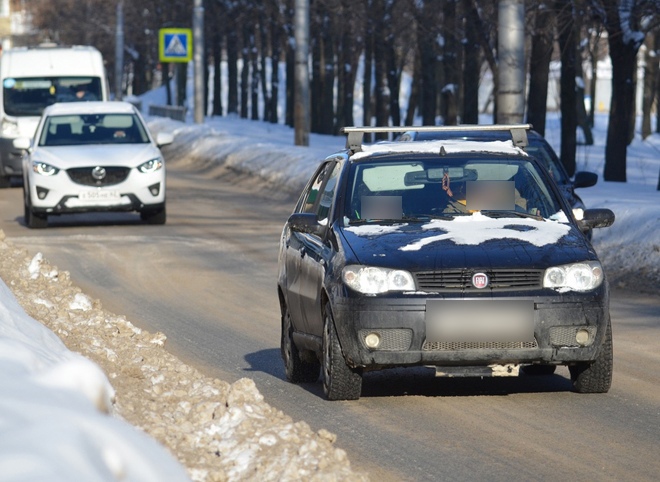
x: 328, y: 194
x: 312, y: 195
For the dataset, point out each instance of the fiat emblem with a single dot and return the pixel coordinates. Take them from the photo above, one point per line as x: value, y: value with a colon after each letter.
x: 98, y: 173
x: 480, y: 280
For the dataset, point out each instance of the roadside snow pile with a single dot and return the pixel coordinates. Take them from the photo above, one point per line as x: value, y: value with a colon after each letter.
x: 216, y: 430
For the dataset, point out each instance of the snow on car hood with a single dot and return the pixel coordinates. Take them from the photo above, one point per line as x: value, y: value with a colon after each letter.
x: 475, y: 240
x: 66, y: 157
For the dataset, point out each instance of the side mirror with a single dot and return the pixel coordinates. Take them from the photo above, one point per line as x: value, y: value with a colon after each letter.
x: 306, y: 223
x: 164, y: 138
x: 597, y: 218
x: 22, y: 143
x: 585, y: 179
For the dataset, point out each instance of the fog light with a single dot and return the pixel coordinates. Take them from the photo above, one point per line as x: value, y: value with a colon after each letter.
x: 154, y: 189
x: 582, y: 337
x: 42, y: 192
x: 372, y: 340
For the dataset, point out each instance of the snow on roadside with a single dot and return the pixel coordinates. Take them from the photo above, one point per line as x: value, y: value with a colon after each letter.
x: 217, y: 431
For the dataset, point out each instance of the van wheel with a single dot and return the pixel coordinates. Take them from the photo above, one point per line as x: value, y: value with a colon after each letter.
x: 340, y: 382
x: 596, y: 376
x: 5, y: 182
x: 298, y: 370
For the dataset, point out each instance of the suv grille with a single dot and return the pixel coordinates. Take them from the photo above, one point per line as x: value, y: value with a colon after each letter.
x: 461, y: 279
x: 113, y: 175
x: 470, y: 345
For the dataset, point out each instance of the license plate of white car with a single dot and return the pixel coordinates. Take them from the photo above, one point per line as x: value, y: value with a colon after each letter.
x: 99, y: 195
x: 479, y: 320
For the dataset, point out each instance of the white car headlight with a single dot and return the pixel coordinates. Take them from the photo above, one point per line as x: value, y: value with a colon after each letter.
x: 151, y: 165
x: 584, y: 276
x: 44, y: 169
x: 372, y: 280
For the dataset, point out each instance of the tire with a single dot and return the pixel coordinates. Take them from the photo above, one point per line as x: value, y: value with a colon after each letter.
x: 297, y: 369
x: 154, y: 217
x: 340, y: 382
x: 538, y: 370
x: 5, y: 182
x: 595, y: 377
x: 33, y: 220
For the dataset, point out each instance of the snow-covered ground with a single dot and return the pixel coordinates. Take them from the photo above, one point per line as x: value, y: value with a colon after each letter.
x: 54, y: 429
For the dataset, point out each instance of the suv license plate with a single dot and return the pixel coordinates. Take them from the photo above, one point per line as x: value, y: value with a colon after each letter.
x: 99, y: 195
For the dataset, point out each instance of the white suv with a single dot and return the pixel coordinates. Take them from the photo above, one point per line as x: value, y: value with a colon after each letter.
x: 93, y: 156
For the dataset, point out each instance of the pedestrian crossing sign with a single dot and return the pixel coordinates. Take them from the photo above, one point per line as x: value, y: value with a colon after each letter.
x: 175, y: 45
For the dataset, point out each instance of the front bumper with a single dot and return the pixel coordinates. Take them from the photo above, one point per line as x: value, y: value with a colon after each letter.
x: 10, y: 158
x: 59, y: 194
x: 401, y: 325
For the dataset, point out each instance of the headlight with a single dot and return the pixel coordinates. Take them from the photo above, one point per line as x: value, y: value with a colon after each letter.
x: 372, y: 280
x: 44, y: 169
x: 574, y: 277
x: 151, y: 166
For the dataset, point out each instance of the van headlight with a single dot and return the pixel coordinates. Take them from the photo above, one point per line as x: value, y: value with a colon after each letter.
x: 151, y: 165
x: 584, y: 276
x: 44, y: 169
x: 373, y: 280
x: 9, y: 128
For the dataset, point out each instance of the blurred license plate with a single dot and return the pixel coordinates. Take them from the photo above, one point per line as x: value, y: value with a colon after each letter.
x: 101, y: 195
x: 479, y: 321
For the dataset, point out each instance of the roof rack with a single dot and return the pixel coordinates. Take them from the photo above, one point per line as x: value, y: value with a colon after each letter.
x: 356, y: 134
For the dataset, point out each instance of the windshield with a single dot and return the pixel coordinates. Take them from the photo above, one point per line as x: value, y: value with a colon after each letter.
x: 30, y: 96
x: 445, y: 188
x: 71, y: 130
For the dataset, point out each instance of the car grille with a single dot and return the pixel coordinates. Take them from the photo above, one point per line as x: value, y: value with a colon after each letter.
x: 113, y: 175
x: 470, y: 345
x: 461, y: 279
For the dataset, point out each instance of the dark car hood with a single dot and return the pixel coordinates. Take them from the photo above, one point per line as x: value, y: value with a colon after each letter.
x: 474, y: 241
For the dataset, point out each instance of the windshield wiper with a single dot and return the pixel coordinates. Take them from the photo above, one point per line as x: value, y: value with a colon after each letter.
x: 505, y: 214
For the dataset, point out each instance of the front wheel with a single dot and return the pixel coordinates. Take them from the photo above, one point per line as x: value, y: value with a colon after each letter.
x: 340, y: 382
x: 33, y: 220
x: 595, y: 377
x: 158, y: 216
x: 298, y: 370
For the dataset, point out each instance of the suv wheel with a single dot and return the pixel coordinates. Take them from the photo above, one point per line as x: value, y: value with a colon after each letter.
x: 33, y: 220
x: 340, y: 382
x: 595, y: 377
x: 154, y: 217
x: 297, y: 370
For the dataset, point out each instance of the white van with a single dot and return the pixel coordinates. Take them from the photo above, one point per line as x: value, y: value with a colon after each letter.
x: 33, y: 78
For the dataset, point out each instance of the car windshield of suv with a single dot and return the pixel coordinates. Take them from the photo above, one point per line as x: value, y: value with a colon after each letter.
x: 30, y: 96
x: 80, y: 129
x: 419, y: 189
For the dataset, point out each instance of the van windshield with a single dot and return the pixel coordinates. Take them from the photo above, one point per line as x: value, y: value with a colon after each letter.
x: 30, y: 96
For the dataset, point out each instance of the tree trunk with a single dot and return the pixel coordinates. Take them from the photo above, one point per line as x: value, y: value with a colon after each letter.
x: 328, y: 79
x: 623, y: 52
x: 217, y: 77
x: 276, y: 52
x: 539, y: 68
x: 426, y: 43
x: 368, y: 72
x: 568, y: 47
x: 650, y: 83
x: 413, y: 100
x: 232, y: 71
x: 449, y: 63
x: 245, y: 71
x: 380, y: 67
x: 594, y: 53
x: 263, y: 54
x: 254, y: 80
x: 471, y: 66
